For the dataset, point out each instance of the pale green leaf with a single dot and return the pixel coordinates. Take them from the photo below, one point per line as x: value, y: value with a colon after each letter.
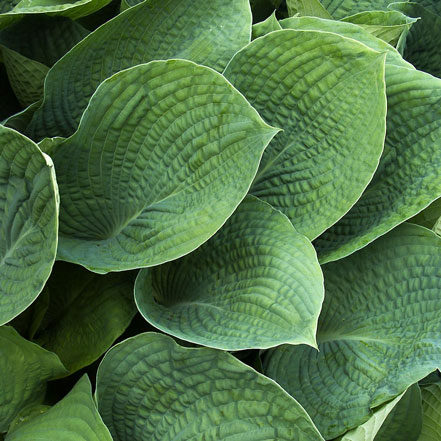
x: 378, y: 331
x: 405, y: 420
x: 208, y: 34
x: 74, y: 418
x: 347, y: 30
x: 164, y: 154
x: 267, y: 26
x: 255, y: 284
x: 387, y: 25
x: 28, y: 222
x: 407, y: 179
x: 369, y: 430
x: 312, y: 8
x: 24, y: 370
x: 149, y: 388
x: 305, y: 82
x: 85, y: 315
x: 431, y: 430
x: 12, y: 11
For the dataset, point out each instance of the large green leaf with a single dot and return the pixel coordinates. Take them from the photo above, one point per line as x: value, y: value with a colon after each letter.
x: 342, y: 8
x: 430, y: 217
x: 311, y: 8
x: 149, y: 388
x: 405, y: 419
x: 164, y: 154
x: 85, y: 315
x: 378, y: 332
x: 154, y: 30
x: 11, y: 11
x: 431, y: 430
x: 423, y: 43
x: 28, y: 222
x: 255, y: 284
x: 347, y: 30
x: 408, y: 177
x: 24, y: 370
x: 327, y: 93
x: 43, y: 39
x: 73, y: 418
x: 387, y: 25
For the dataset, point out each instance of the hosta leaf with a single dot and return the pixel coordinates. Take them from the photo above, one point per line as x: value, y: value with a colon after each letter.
x: 430, y: 217
x: 311, y: 8
x: 20, y: 120
x: 408, y: 177
x: 85, y: 315
x: 369, y: 430
x: 73, y: 418
x: 305, y: 82
x: 154, y: 30
x: 26, y: 76
x: 387, y: 25
x: 432, y: 5
x: 423, y: 45
x: 431, y: 429
x: 43, y: 39
x: 342, y: 8
x: 378, y: 332
x: 28, y: 222
x: 255, y: 284
x: 11, y: 11
x: 264, y: 8
x: 346, y: 30
x: 24, y: 370
x: 405, y: 419
x: 164, y: 154
x: 149, y: 388
x: 264, y: 27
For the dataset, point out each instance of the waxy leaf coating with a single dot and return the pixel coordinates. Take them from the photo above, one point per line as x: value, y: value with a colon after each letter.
x: 255, y: 284
x: 378, y: 331
x: 28, y: 222
x: 149, y: 388
x: 327, y: 93
x: 164, y: 154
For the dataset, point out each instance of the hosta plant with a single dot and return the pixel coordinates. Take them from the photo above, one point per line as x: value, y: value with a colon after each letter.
x: 220, y: 220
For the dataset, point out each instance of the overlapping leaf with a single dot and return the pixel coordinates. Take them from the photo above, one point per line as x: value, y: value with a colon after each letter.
x: 74, y: 418
x: 255, y: 284
x: 311, y: 8
x: 408, y: 177
x: 86, y: 313
x: 431, y: 429
x: 342, y: 8
x: 327, y: 93
x: 148, y: 388
x: 267, y: 26
x: 24, y: 370
x: 378, y: 331
x: 154, y: 30
x: 164, y: 154
x: 28, y: 222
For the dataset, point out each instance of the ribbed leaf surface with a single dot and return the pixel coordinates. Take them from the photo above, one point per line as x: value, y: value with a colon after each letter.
x: 164, y: 154
x: 255, y: 284
x: 431, y: 430
x: 150, y: 388
x: 28, y: 222
x: 378, y: 331
x: 155, y: 30
x: 327, y: 93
